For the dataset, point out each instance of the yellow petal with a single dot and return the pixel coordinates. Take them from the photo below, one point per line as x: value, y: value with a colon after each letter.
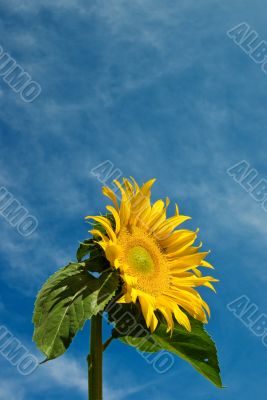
x: 124, y: 206
x: 111, y: 195
x: 168, y: 316
x: 96, y: 232
x: 165, y: 229
x: 116, y: 217
x: 148, y: 312
x: 112, y: 252
x: 182, y: 318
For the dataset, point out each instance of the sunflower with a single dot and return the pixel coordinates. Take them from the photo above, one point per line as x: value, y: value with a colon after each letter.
x: 158, y: 263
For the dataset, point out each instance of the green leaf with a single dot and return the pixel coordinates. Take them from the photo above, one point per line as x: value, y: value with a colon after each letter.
x: 146, y: 343
x: 196, y: 347
x: 98, y: 264
x: 69, y: 298
x: 84, y: 249
x: 130, y: 327
x: 89, y: 248
x: 97, y: 261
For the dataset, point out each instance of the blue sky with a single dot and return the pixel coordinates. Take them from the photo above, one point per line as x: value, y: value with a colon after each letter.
x: 160, y: 90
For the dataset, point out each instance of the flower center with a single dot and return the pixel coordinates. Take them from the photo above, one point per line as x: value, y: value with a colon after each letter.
x: 140, y: 260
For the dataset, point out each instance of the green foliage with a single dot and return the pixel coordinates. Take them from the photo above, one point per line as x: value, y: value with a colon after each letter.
x: 69, y: 297
x: 99, y: 264
x: 74, y: 294
x: 85, y: 249
x: 130, y: 326
x: 196, y: 347
x: 96, y: 260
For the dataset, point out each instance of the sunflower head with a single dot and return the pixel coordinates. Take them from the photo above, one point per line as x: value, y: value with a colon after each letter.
x: 158, y: 263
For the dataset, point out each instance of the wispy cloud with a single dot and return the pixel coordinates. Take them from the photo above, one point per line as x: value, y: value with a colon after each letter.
x: 10, y: 390
x: 65, y: 373
x: 157, y: 88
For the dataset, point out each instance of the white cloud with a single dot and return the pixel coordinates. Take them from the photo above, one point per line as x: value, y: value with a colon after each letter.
x: 126, y: 389
x: 66, y: 372
x: 27, y: 263
x: 10, y: 390
x: 33, y: 6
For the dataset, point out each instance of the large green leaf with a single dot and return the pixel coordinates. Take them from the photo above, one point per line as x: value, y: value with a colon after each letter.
x: 96, y: 260
x: 146, y: 343
x: 196, y: 347
x: 69, y: 298
x: 98, y: 264
x: 130, y: 327
x: 84, y: 249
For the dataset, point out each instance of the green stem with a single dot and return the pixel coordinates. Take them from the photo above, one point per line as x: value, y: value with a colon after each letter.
x: 95, y: 359
x: 107, y: 343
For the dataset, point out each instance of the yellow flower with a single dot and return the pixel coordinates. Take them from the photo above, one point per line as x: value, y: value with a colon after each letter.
x: 157, y: 262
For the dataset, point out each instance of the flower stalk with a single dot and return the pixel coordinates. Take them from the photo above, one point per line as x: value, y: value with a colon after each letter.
x: 95, y: 359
